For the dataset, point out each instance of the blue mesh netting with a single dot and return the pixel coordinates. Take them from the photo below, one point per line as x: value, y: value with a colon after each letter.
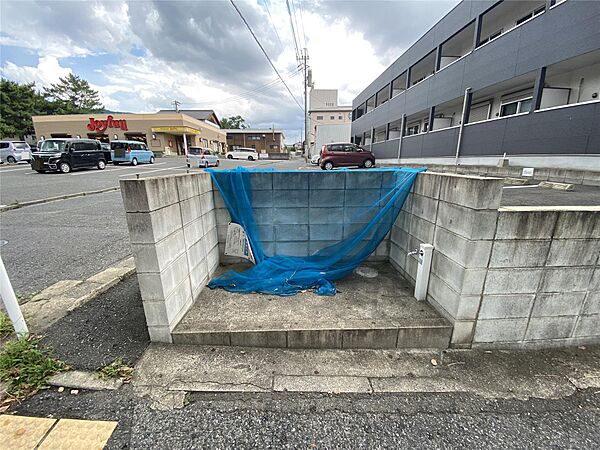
x: 288, y: 275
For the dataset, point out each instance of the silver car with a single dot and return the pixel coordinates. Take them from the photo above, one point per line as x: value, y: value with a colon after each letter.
x: 201, y: 157
x: 15, y: 151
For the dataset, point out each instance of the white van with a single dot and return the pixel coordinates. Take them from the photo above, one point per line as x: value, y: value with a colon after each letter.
x: 243, y: 153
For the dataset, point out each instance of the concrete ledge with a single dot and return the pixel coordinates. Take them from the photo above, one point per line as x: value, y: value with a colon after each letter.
x: 56, y: 301
x: 557, y: 186
x: 77, y: 379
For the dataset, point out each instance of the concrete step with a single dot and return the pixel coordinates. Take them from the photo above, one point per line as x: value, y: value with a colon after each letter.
x: 421, y: 333
x: 372, y: 313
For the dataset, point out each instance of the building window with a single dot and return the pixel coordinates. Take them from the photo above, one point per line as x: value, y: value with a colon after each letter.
x: 331, y: 117
x: 319, y: 117
x: 533, y: 13
x: 412, y: 128
x: 340, y: 117
x: 274, y: 147
x: 254, y: 138
x: 494, y: 35
x: 516, y: 107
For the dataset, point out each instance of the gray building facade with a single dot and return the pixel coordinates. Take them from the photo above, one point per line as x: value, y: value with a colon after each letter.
x: 492, y: 78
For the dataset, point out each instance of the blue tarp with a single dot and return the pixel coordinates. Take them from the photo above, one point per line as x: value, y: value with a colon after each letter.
x: 288, y: 275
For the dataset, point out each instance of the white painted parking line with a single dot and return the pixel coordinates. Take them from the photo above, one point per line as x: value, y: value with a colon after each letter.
x: 155, y: 170
x: 112, y: 169
x: 15, y: 169
x: 521, y: 187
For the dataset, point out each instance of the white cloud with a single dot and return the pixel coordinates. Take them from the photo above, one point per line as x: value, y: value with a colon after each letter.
x: 47, y: 72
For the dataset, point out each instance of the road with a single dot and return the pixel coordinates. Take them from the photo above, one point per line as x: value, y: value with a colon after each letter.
x: 77, y: 237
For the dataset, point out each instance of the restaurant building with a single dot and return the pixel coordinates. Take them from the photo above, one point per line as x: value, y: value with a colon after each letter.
x: 268, y: 141
x: 166, y: 132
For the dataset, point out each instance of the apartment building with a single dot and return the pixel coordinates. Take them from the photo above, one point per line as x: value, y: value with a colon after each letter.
x: 328, y: 121
x: 492, y: 78
x: 266, y: 141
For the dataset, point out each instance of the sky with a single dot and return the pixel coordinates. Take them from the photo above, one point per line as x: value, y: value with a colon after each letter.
x: 142, y: 55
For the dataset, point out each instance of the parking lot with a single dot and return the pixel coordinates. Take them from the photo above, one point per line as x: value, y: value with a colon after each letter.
x: 75, y: 238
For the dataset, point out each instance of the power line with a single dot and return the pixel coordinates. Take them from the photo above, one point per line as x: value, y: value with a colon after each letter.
x: 295, y: 11
x: 266, y: 55
x: 298, y: 54
x: 272, y: 23
x: 302, y: 23
x: 245, y: 95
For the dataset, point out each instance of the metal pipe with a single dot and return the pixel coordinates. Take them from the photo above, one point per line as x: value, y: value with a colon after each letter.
x: 10, y: 303
x: 462, y: 125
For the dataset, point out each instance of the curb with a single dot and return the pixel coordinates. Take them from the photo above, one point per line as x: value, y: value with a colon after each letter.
x: 56, y: 301
x: 557, y: 186
x: 53, y: 199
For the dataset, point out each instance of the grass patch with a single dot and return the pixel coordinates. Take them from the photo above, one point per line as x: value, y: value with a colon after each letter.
x: 116, y: 369
x: 26, y: 366
x: 5, y: 324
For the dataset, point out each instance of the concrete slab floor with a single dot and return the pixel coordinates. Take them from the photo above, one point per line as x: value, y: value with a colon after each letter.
x: 384, y: 298
x: 165, y: 370
x: 532, y: 195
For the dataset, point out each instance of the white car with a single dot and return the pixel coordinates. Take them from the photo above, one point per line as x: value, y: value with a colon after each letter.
x: 15, y: 151
x: 243, y: 153
x: 201, y: 157
x: 316, y: 159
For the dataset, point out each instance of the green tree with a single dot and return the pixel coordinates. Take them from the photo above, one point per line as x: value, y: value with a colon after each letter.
x: 234, y: 122
x: 18, y: 102
x: 73, y: 95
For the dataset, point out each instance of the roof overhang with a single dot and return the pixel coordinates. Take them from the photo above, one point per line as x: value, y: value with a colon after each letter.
x: 178, y: 131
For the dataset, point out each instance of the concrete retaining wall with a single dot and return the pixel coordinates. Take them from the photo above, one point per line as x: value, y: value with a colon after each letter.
x: 173, y: 233
x: 520, y: 276
x: 457, y: 214
x: 543, y: 281
x: 298, y: 213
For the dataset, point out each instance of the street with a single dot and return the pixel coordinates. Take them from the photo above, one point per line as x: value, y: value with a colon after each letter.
x: 77, y: 237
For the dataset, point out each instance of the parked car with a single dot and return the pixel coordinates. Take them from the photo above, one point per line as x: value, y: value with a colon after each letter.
x: 201, y: 157
x: 64, y: 155
x: 15, y: 151
x: 132, y: 152
x: 316, y: 159
x: 243, y: 153
x: 343, y: 154
x: 106, y: 149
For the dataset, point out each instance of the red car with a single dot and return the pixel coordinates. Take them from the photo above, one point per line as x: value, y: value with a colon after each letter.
x: 345, y: 154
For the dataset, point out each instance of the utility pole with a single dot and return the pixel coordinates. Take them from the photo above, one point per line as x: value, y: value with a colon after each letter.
x: 176, y: 104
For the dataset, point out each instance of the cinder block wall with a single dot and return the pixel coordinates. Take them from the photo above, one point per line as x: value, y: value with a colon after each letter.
x: 173, y: 232
x: 457, y: 214
x: 543, y: 282
x: 298, y: 213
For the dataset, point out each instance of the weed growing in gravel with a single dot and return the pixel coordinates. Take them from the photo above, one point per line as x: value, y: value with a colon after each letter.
x: 117, y: 369
x: 26, y: 366
x: 5, y: 324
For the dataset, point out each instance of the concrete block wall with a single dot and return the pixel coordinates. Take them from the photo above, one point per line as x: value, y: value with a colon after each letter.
x: 173, y: 233
x: 586, y: 177
x: 543, y: 281
x: 298, y: 213
x: 457, y: 214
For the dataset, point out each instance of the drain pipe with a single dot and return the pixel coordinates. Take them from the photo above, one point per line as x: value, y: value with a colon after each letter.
x: 462, y: 124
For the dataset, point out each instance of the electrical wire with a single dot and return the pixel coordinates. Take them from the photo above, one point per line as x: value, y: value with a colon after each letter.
x: 287, y: 2
x: 265, y: 2
x: 246, y: 95
x: 265, y: 53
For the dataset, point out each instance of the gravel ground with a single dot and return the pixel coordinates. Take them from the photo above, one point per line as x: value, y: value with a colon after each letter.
x: 110, y: 326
